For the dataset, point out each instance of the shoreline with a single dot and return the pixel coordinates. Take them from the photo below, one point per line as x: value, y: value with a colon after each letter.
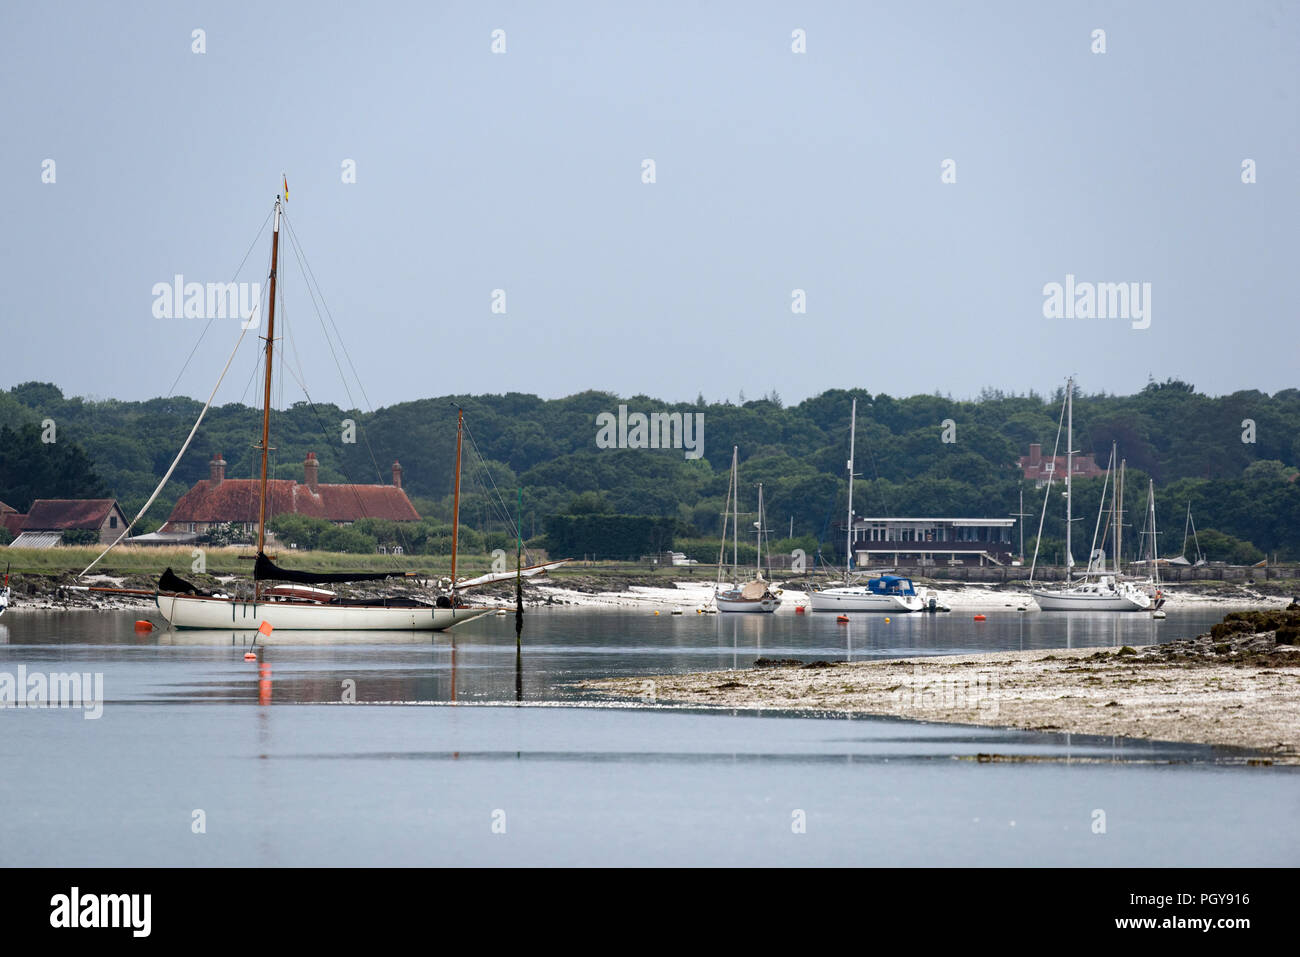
x: 1233, y: 688
x: 685, y: 595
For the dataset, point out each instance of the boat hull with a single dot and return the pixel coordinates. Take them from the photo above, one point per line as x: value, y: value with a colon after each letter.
x: 187, y: 611
x: 756, y: 606
x: 1060, y: 601
x: 860, y: 599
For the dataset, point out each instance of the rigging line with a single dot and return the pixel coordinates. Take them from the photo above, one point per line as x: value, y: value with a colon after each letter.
x: 320, y: 422
x: 406, y: 546
x: 496, y: 509
x: 360, y: 385
x: 175, y: 462
x: 1047, y: 493
x: 306, y: 270
x: 171, y: 391
x: 482, y: 459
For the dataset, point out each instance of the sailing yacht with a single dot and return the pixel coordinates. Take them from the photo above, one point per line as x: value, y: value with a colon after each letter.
x: 290, y: 599
x: 890, y: 593
x: 1097, y: 590
x: 756, y: 596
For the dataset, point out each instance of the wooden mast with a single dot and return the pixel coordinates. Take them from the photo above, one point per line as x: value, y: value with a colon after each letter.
x: 455, y: 516
x: 266, y: 393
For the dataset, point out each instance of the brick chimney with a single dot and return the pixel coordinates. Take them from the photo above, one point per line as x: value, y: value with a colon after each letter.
x: 1035, y: 454
x: 311, y: 471
x: 397, y: 474
x: 217, y: 470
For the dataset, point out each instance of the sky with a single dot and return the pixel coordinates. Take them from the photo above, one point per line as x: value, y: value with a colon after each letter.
x: 774, y: 171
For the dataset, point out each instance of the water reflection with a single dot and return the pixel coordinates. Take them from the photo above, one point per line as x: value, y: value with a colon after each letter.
x: 483, y: 661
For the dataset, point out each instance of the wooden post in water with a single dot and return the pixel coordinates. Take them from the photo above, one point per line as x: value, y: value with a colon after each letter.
x: 519, y: 573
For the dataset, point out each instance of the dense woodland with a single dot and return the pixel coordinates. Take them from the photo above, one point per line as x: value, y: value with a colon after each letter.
x: 1243, y: 494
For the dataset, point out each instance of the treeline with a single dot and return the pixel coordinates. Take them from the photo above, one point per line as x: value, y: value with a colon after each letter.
x: 1232, y: 457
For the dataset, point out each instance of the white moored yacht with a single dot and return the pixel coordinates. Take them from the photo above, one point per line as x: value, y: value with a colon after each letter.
x: 1097, y: 590
x: 756, y: 596
x: 1103, y: 593
x: 883, y: 593
x: 288, y: 599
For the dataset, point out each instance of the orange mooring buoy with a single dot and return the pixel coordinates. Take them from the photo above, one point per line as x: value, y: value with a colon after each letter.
x: 144, y: 625
x: 980, y: 618
x: 250, y: 656
x: 842, y: 619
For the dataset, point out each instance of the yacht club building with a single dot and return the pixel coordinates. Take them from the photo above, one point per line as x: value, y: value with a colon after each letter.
x: 932, y: 541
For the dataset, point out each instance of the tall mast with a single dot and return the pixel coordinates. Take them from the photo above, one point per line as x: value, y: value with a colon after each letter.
x: 735, y: 516
x: 455, y: 509
x: 1155, y: 551
x: 266, y: 393
x: 1069, y: 473
x: 759, y: 559
x: 1119, y: 521
x: 1114, y: 507
x: 848, y: 537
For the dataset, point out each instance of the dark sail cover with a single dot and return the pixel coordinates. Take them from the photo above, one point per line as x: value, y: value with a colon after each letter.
x: 266, y: 570
x: 170, y: 582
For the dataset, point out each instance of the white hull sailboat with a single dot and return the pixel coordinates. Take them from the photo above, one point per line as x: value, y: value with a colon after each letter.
x: 291, y: 599
x: 845, y: 598
x: 1103, y: 595
x: 1096, y: 591
x: 754, y: 597
x: 188, y: 611
x: 887, y: 593
x: 760, y: 601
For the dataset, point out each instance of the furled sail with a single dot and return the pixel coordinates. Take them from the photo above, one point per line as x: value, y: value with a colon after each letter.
x: 266, y: 570
x: 168, y: 581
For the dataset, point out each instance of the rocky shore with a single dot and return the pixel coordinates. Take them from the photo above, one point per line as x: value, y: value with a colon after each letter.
x: 1237, y: 686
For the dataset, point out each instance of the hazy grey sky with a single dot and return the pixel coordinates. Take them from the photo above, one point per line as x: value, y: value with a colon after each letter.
x: 775, y: 171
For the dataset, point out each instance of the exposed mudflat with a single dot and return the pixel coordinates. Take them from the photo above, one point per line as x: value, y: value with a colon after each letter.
x: 1238, y: 690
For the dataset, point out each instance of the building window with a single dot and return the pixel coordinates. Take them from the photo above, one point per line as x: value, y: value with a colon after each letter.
x: 112, y: 521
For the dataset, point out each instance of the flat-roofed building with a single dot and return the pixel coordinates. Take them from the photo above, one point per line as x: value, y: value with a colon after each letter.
x: 932, y: 541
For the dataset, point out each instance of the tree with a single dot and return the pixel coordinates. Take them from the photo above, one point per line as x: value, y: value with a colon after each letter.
x: 1219, y: 547
x: 31, y: 468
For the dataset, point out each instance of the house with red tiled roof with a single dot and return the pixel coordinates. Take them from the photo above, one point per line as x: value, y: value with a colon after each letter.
x: 218, y: 500
x: 11, y: 519
x: 1038, y: 467
x: 49, y: 518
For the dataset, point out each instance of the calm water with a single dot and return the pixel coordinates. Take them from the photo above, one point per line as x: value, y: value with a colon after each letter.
x: 286, y: 773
